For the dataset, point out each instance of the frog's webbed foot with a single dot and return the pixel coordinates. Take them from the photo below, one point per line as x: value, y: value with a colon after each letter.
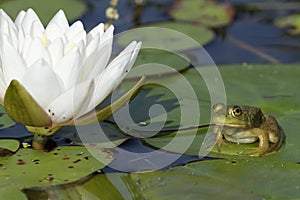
x: 254, y: 151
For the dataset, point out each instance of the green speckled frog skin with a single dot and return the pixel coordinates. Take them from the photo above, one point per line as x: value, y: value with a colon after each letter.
x: 246, y: 124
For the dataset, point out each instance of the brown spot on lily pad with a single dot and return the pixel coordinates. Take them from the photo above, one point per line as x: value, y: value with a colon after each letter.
x: 76, y: 161
x: 21, y: 162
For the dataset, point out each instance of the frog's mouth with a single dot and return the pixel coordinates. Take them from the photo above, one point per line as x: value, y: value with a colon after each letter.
x: 230, y: 125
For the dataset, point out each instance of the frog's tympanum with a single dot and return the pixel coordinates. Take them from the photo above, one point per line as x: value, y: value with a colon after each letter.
x: 246, y: 124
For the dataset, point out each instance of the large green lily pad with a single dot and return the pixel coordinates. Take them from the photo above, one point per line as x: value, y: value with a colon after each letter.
x: 214, y: 179
x: 46, y: 9
x: 34, y: 168
x: 170, y: 185
x: 273, y: 88
x: 153, y: 185
x: 173, y: 36
x: 150, y: 62
x: 205, y: 12
x: 11, y: 192
x: 268, y: 179
x: 270, y: 87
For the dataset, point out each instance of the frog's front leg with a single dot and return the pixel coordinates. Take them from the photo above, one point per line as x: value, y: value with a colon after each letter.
x: 263, y: 145
x: 219, y: 137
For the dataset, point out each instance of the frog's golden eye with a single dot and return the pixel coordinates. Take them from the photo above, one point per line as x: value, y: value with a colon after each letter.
x: 236, y: 111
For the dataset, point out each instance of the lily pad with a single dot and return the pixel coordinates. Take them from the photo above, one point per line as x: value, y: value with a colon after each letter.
x: 170, y: 185
x: 269, y: 180
x: 9, y: 145
x: 191, y: 141
x: 11, y: 192
x: 5, y: 120
x: 63, y: 165
x: 153, y: 185
x: 291, y: 21
x: 205, y: 12
x: 172, y: 36
x: 96, y: 187
x: 45, y: 9
x: 273, y: 88
x: 151, y: 61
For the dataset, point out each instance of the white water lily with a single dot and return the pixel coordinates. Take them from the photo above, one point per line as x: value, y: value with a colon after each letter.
x: 63, y: 68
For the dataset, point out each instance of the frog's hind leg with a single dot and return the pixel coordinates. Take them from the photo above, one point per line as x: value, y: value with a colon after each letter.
x: 276, y: 146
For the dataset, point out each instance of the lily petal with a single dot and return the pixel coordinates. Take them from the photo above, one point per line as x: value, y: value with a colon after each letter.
x: 19, y: 18
x: 56, y: 50
x: 102, y: 58
x: 108, y: 34
x: 36, y: 52
x: 37, y: 30
x: 7, y: 18
x: 104, y: 84
x: 124, y: 57
x: 12, y: 64
x: 8, y: 28
x: 99, y: 29
x: 60, y: 20
x: 125, y: 61
x: 53, y: 32
x: 2, y: 88
x: 27, y: 41
x: 95, y: 60
x: 73, y: 30
x: 68, y: 67
x: 67, y: 106
x: 42, y: 83
x: 28, y: 20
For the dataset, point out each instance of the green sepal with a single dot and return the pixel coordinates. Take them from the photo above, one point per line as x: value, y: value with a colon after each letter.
x: 110, y: 109
x: 22, y: 107
x: 44, y: 131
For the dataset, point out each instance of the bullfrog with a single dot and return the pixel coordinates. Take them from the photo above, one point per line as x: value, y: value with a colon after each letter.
x: 246, y: 124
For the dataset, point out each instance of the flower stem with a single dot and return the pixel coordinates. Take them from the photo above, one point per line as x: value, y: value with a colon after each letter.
x: 39, y: 142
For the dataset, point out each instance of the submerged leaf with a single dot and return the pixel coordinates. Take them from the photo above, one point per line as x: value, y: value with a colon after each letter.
x: 22, y: 107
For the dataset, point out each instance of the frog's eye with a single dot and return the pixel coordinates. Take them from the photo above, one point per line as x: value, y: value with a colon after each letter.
x: 236, y: 111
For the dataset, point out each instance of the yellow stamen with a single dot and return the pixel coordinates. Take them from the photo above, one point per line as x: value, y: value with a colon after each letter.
x: 44, y: 40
